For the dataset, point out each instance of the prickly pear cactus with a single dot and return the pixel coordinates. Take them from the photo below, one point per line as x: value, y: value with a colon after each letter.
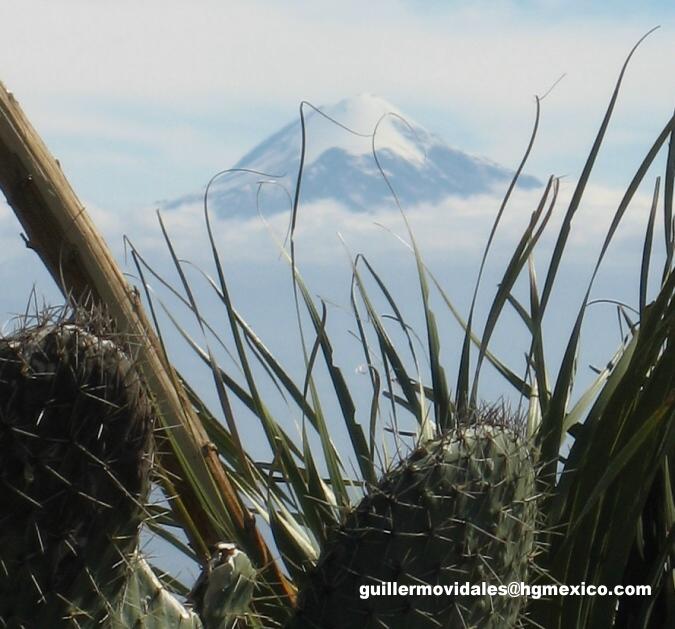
x: 75, y: 429
x: 459, y: 509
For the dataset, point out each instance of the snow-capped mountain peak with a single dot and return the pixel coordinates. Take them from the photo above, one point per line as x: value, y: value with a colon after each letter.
x: 349, y: 126
x: 366, y: 116
x: 340, y: 165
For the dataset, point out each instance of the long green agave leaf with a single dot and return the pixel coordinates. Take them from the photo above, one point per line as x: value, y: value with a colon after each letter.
x: 580, y: 188
x: 387, y: 346
x: 634, y: 430
x: 647, y: 247
x: 462, y: 390
x: 438, y: 379
x: 519, y: 258
x: 520, y: 385
x: 552, y: 421
x: 668, y: 218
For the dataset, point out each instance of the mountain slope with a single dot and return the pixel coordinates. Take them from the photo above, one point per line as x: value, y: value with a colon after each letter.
x: 340, y: 165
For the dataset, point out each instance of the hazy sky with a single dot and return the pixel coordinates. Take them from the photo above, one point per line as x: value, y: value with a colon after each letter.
x: 143, y: 101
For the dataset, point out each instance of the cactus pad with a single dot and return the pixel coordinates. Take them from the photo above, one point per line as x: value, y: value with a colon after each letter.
x: 458, y: 509
x: 75, y: 430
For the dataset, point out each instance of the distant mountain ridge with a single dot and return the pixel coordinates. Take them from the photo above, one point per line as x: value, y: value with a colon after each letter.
x: 339, y: 166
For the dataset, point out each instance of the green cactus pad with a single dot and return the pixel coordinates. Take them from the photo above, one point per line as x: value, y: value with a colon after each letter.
x: 75, y: 431
x: 460, y: 508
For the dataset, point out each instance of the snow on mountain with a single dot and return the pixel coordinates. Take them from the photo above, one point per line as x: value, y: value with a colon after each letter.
x: 340, y: 165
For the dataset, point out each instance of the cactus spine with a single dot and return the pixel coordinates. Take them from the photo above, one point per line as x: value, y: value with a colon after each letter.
x: 75, y: 459
x: 459, y: 509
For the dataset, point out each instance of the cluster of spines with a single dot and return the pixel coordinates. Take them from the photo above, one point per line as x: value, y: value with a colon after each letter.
x: 459, y: 508
x: 75, y: 437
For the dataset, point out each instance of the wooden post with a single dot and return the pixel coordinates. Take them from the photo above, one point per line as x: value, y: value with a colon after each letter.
x: 63, y: 235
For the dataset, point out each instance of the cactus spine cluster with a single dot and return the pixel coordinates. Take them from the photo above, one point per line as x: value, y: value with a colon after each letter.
x: 75, y: 459
x: 460, y: 508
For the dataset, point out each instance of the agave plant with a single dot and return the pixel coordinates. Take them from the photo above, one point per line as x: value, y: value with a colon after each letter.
x: 585, y: 479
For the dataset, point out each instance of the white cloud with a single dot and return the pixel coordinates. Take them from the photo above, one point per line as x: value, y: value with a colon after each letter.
x: 174, y: 49
x: 452, y: 231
